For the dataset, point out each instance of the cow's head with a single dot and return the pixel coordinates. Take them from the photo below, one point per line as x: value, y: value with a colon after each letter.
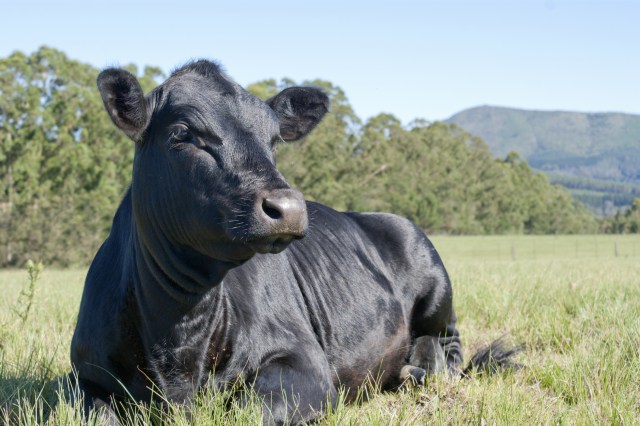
x: 204, y: 174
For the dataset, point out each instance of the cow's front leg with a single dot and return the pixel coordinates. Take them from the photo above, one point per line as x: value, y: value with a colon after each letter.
x: 294, y: 392
x: 97, y: 403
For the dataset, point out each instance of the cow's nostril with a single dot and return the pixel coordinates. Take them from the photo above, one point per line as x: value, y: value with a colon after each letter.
x: 271, y: 210
x: 282, y: 213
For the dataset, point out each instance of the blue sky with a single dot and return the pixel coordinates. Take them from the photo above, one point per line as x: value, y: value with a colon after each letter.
x: 414, y: 59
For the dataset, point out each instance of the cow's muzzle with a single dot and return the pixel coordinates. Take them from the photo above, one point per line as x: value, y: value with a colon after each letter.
x: 282, y: 215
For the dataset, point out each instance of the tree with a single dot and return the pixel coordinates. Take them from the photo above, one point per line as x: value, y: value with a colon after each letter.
x: 65, y: 164
x: 627, y: 222
x: 65, y: 167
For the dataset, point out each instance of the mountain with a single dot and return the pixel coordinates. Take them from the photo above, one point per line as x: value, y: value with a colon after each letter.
x: 595, y: 155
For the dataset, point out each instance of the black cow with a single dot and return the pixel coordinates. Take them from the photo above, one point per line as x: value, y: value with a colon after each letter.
x: 194, y: 277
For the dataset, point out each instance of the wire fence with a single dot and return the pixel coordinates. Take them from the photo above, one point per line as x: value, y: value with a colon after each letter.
x: 534, y: 247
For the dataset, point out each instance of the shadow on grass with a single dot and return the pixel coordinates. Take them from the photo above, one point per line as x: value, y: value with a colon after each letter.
x: 30, y: 400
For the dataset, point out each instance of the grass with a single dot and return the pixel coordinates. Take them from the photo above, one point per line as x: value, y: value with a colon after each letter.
x: 573, y: 302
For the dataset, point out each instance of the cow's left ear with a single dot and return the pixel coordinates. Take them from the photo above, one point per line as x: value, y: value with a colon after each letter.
x: 299, y: 110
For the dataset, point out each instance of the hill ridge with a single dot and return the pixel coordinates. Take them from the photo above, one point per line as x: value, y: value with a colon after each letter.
x: 600, y: 146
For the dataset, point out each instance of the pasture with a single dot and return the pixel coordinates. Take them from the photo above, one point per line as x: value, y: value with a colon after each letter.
x: 573, y: 302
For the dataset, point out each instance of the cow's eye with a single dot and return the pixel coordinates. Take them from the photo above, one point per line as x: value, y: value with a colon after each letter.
x: 182, y: 135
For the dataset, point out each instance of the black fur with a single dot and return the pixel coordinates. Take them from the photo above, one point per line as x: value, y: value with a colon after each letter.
x: 205, y: 278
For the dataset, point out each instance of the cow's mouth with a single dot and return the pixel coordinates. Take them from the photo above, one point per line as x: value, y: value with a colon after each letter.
x: 274, y: 244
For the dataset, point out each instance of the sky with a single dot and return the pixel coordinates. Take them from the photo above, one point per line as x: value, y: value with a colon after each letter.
x: 414, y: 59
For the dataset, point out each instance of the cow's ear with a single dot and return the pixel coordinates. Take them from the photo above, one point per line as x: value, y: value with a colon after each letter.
x: 124, y: 101
x: 299, y: 110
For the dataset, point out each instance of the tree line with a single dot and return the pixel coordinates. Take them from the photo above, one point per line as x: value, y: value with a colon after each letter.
x: 65, y: 167
x: 624, y: 223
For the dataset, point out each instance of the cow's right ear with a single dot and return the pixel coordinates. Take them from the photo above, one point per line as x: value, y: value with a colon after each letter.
x: 124, y: 101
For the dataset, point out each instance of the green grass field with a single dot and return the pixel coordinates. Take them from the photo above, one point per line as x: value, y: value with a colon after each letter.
x: 573, y: 302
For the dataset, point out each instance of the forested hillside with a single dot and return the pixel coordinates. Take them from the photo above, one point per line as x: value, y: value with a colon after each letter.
x: 65, y: 167
x: 597, y: 156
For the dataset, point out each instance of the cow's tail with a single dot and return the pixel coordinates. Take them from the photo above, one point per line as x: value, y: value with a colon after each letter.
x: 496, y: 357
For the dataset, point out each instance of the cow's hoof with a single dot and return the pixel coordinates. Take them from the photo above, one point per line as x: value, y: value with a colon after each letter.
x: 413, y: 375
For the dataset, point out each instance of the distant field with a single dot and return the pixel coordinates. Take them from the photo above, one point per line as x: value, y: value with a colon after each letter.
x: 572, y: 301
x: 538, y: 247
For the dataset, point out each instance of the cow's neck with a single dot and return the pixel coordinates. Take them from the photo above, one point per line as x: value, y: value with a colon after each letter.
x: 174, y: 286
x: 173, y: 279
x: 184, y: 314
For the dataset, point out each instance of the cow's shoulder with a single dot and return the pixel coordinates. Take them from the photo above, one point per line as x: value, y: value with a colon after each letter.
x: 107, y: 298
x: 113, y: 264
x: 396, y: 232
x: 397, y: 241
x: 385, y: 225
x: 117, y: 248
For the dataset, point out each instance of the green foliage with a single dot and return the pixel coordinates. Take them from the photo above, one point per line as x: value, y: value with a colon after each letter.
x: 25, y: 300
x: 623, y: 223
x: 602, y: 197
x: 65, y: 166
x: 438, y: 175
